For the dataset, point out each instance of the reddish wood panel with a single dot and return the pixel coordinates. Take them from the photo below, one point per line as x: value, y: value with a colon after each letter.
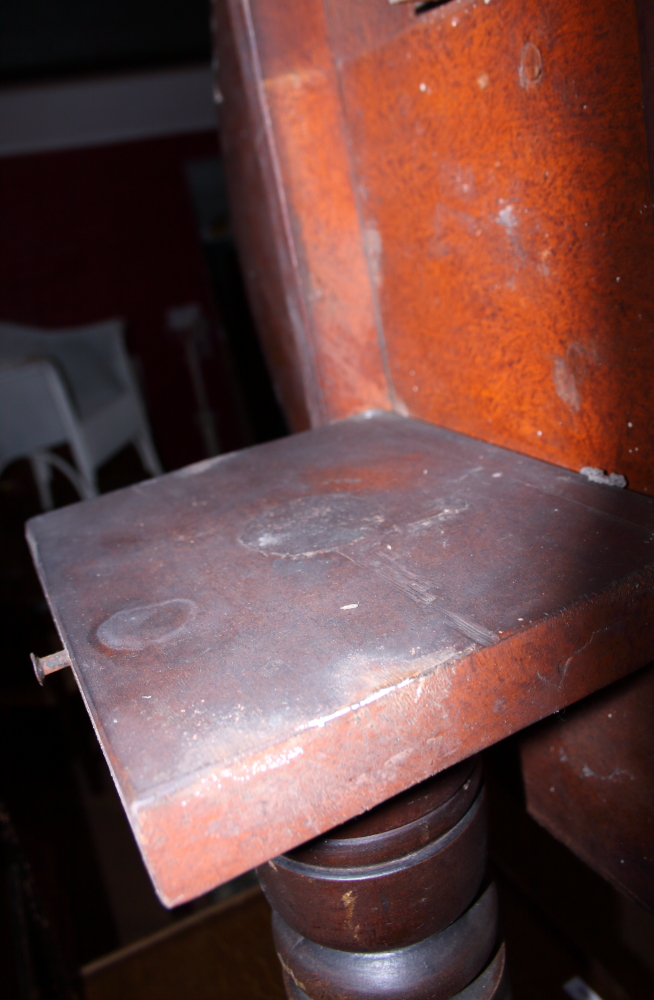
x: 493, y: 170
x: 294, y: 210
x: 501, y: 158
x: 257, y: 218
x: 645, y: 10
x: 588, y: 779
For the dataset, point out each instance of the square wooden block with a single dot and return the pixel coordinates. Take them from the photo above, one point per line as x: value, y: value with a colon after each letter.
x: 272, y: 641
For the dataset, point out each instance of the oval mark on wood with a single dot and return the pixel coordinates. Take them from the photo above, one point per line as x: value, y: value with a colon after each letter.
x: 136, y: 628
x: 531, y: 66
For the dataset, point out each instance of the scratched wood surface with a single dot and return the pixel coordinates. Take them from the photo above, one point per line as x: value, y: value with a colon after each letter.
x: 271, y: 642
x: 451, y: 216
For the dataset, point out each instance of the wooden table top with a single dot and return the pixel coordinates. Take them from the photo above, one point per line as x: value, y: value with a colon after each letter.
x: 272, y: 641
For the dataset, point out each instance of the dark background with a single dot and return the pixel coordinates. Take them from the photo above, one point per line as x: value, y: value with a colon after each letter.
x: 55, y: 38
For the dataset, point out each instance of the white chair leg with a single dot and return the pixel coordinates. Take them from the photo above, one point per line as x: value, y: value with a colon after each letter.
x: 147, y: 454
x: 42, y: 472
x: 85, y: 486
x: 85, y: 480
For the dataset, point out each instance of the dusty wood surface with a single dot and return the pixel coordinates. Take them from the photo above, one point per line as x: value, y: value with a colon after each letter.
x: 272, y: 642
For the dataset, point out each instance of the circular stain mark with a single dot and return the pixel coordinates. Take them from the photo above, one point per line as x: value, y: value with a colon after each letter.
x: 136, y: 628
x: 311, y: 525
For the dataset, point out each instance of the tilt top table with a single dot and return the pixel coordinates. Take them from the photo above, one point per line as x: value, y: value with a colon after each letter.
x: 274, y: 641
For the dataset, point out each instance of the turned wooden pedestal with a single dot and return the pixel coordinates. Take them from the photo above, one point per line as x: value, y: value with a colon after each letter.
x: 393, y: 904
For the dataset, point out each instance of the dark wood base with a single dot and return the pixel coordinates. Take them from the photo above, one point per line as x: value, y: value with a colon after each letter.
x: 393, y: 904
x: 492, y: 984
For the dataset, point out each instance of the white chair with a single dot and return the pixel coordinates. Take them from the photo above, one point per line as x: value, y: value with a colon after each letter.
x: 70, y: 386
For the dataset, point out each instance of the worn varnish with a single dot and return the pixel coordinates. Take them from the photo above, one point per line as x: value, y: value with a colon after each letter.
x: 272, y: 642
x: 451, y: 216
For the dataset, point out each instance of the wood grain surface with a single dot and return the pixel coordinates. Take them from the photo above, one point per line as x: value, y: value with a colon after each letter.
x: 294, y: 210
x: 472, y: 183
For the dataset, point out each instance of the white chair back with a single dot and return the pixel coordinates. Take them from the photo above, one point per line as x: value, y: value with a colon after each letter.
x: 72, y: 386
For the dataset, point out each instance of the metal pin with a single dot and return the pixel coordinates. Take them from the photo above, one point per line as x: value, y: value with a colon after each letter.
x: 44, y: 665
